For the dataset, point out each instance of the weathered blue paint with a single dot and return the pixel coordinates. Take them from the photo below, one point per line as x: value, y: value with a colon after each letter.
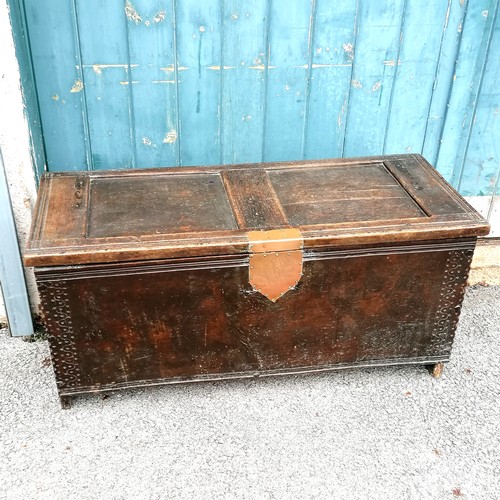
x: 11, y: 269
x: 471, y: 51
x: 482, y: 166
x: 244, y: 45
x: 332, y: 57
x: 479, y: 159
x: 376, y: 55
x: 414, y: 77
x: 443, y: 78
x: 182, y: 82
x: 57, y: 71
x: 151, y: 52
x: 289, y: 45
x: 199, y: 42
x: 28, y: 84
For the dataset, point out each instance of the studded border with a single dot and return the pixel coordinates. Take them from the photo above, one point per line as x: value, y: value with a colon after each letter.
x: 56, y: 314
x: 451, y: 295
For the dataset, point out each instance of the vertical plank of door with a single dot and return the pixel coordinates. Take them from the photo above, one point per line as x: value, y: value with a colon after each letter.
x: 481, y: 155
x: 480, y: 176
x: 458, y: 107
x: 60, y: 83
x: 413, y: 82
x: 198, y: 50
x: 376, y: 59
x: 332, y: 59
x: 151, y: 45
x: 443, y: 79
x: 288, y: 69
x: 243, y: 84
x: 109, y: 81
x: 494, y: 211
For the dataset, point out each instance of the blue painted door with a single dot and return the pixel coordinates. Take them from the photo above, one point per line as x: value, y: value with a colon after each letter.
x: 146, y: 83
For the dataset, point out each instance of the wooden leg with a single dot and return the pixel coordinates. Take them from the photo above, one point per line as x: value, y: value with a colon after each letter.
x: 436, y: 369
x: 65, y: 402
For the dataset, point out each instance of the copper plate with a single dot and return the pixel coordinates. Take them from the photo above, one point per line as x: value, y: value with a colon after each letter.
x: 275, y: 261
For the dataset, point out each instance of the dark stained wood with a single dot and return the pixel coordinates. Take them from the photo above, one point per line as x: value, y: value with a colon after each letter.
x: 427, y: 187
x: 65, y: 210
x: 144, y: 276
x: 123, y: 327
x: 149, y: 214
x: 253, y: 199
x: 123, y: 206
x: 350, y: 194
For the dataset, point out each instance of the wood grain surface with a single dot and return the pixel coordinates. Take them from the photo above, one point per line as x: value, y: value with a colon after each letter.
x: 133, y: 215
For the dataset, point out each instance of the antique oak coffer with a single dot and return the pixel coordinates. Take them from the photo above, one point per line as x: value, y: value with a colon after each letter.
x: 171, y: 275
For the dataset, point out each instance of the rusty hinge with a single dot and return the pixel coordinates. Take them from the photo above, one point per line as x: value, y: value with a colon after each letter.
x: 275, y: 261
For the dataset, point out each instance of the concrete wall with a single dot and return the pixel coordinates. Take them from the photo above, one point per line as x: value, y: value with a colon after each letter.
x: 15, y: 143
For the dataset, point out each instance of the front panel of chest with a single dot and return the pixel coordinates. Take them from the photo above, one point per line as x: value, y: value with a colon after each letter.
x: 117, y: 327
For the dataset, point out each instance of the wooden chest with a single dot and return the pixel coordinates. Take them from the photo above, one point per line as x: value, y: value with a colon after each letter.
x: 187, y: 274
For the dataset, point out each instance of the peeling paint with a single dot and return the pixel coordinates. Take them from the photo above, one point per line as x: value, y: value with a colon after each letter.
x: 446, y: 19
x: 235, y: 16
x: 147, y: 141
x: 392, y: 62
x: 349, y: 50
x: 259, y: 66
x: 163, y: 81
x: 55, y: 97
x: 127, y: 82
x: 484, y: 13
x: 217, y: 68
x: 170, y: 136
x: 246, y: 118
x: 172, y: 68
x: 159, y: 17
x: 316, y: 66
x: 77, y: 86
x: 356, y: 84
x: 131, y: 13
x: 202, y: 29
x: 376, y: 86
x: 99, y: 67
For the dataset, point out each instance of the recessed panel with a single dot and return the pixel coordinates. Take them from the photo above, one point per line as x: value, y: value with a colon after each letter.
x: 131, y: 206
x: 360, y: 193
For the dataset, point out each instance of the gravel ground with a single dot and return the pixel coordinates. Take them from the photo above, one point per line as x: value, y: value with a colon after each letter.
x: 381, y: 433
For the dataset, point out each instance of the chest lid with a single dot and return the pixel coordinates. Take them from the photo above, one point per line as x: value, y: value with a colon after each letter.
x: 117, y: 216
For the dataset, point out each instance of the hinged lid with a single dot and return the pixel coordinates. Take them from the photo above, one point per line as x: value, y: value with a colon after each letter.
x: 116, y: 216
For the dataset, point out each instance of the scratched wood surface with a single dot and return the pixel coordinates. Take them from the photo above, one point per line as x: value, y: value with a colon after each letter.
x: 197, y: 323
x: 140, y: 83
x: 108, y: 216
